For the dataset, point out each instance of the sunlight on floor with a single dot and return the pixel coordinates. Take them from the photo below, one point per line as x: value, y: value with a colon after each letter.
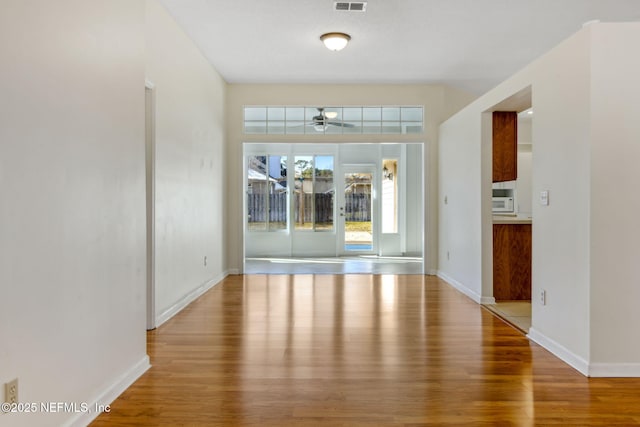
x: 365, y: 264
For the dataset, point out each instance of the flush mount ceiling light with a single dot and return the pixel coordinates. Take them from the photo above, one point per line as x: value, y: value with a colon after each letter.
x: 335, y: 41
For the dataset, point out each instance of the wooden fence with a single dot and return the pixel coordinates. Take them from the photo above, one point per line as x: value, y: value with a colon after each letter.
x: 357, y: 207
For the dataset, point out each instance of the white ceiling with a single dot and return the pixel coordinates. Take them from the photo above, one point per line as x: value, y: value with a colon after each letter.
x: 469, y: 44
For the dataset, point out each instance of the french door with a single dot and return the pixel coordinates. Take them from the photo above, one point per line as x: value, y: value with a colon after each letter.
x: 357, y: 217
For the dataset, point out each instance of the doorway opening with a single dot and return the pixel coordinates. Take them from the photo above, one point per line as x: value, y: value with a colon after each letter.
x: 507, y: 132
x: 308, y: 202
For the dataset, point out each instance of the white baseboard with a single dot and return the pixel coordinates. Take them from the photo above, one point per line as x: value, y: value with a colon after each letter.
x: 107, y: 396
x: 188, y: 299
x: 462, y: 288
x: 232, y: 271
x: 431, y: 272
x: 567, y: 356
x: 614, y: 370
x: 487, y: 300
x: 610, y: 370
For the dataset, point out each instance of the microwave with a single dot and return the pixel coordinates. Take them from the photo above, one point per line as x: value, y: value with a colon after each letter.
x: 502, y: 204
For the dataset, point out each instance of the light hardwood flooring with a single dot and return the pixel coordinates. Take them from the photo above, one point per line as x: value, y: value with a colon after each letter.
x: 357, y: 350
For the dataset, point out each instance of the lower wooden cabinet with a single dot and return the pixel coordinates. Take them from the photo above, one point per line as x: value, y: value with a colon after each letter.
x: 512, y: 261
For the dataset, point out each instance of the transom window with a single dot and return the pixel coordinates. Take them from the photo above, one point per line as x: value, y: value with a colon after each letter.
x: 344, y: 120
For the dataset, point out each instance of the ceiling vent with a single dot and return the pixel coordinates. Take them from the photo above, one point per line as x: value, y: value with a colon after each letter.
x: 350, y: 6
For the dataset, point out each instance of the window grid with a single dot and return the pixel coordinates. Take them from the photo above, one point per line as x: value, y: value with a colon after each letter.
x: 395, y: 120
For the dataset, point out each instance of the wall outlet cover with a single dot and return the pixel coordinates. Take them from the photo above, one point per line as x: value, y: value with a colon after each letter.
x: 11, y: 391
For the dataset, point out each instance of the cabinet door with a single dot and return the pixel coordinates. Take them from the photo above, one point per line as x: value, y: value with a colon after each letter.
x: 511, y: 262
x: 505, y: 145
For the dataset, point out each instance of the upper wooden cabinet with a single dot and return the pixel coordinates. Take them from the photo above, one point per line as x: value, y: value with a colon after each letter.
x: 505, y: 146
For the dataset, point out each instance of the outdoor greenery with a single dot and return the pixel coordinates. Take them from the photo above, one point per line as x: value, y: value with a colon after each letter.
x: 304, y: 169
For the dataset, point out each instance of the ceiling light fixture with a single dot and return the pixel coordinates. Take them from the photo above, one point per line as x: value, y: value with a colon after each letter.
x: 335, y: 41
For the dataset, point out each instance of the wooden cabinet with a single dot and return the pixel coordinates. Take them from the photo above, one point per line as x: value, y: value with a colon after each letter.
x: 511, y: 262
x: 505, y: 146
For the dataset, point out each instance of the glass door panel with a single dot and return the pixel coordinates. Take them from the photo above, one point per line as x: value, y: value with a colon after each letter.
x: 313, y: 193
x: 357, y: 211
x: 323, y: 193
x: 303, y: 194
x: 266, y: 193
x: 277, y: 192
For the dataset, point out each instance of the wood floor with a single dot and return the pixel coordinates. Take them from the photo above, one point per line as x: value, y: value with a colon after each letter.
x: 357, y: 350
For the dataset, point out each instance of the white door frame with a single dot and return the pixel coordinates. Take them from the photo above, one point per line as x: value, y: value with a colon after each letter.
x: 150, y: 169
x: 375, y: 214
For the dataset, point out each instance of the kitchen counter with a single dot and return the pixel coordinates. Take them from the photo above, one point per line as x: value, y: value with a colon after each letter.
x: 511, y: 219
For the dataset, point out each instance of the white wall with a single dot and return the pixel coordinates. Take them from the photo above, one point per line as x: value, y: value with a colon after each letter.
x: 459, y: 203
x: 439, y: 103
x: 190, y: 167
x: 72, y: 215
x: 615, y: 233
x: 583, y: 105
x: 560, y: 253
x: 415, y: 204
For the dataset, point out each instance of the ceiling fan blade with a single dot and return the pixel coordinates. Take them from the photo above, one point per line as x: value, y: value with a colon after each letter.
x: 341, y: 124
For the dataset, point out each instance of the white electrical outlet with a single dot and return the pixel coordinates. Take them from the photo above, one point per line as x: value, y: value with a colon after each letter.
x: 543, y: 297
x: 11, y: 391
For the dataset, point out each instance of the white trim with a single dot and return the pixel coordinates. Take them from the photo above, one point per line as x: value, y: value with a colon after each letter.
x: 612, y: 370
x: 107, y: 396
x: 431, y: 272
x: 187, y: 299
x: 459, y: 286
x: 150, y: 200
x: 425, y: 202
x: 232, y: 272
x: 560, y: 351
x: 487, y: 300
x: 402, y: 200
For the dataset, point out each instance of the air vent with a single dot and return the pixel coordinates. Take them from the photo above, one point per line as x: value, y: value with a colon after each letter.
x: 350, y: 6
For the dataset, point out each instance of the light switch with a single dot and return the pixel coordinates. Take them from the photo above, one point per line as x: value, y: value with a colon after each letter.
x: 544, y: 198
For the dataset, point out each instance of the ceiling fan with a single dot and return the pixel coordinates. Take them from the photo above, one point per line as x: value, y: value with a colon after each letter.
x: 324, y: 120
